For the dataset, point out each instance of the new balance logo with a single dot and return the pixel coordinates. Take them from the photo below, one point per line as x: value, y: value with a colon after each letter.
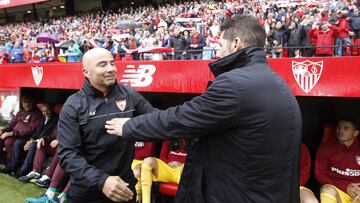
x: 140, y: 76
x: 92, y: 113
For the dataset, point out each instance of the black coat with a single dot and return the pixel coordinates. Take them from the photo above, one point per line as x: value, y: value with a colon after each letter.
x: 86, y: 152
x: 248, y: 130
x: 178, y: 43
x: 44, y: 130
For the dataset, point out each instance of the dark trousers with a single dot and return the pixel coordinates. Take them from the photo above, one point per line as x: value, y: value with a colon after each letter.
x: 17, y: 152
x: 28, y: 163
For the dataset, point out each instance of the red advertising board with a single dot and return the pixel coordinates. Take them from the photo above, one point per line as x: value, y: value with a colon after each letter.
x: 13, y: 3
x: 333, y: 76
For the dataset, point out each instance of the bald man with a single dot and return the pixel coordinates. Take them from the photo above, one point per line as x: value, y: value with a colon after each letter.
x: 98, y: 163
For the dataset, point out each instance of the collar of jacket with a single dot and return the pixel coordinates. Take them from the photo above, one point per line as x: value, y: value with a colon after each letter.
x: 237, y: 60
x: 92, y: 91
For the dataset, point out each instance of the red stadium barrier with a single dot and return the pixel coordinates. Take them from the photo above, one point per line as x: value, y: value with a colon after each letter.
x: 333, y: 76
x: 12, y: 3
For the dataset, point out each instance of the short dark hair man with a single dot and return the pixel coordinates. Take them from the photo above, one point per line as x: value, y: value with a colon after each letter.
x: 247, y: 125
x: 337, y: 165
x: 98, y: 163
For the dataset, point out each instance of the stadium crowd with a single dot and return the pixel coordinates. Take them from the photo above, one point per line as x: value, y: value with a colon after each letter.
x: 190, y: 28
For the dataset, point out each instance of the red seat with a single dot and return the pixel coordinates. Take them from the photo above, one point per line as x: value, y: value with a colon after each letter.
x: 329, y: 134
x: 355, y: 47
x: 168, y: 189
x: 57, y: 108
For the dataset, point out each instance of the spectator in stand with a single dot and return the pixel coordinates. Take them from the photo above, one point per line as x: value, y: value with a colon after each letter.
x: 179, y: 43
x: 295, y: 35
x: 308, y: 42
x: 276, y: 39
x: 337, y: 165
x: 355, y: 22
x: 27, y: 53
x: 39, y: 144
x: 196, y: 44
x: 148, y: 40
x: 17, y: 53
x: 306, y: 195
x: 166, y: 169
x: 133, y: 45
x: 343, y: 39
x: 108, y: 44
x: 74, y: 54
x: 18, y: 131
x: 324, y: 35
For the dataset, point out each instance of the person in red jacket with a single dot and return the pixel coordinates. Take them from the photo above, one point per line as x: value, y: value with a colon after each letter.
x: 166, y: 169
x: 18, y: 131
x: 324, y: 36
x: 337, y: 165
x: 306, y: 195
x: 344, y: 33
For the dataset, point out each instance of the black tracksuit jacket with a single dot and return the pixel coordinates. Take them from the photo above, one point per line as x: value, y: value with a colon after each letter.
x: 89, y: 154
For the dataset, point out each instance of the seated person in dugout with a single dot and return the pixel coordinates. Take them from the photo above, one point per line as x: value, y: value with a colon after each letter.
x: 166, y: 169
x: 45, y: 147
x: 337, y: 165
x: 41, y: 144
x: 142, y: 151
x: 306, y: 195
x: 18, y: 132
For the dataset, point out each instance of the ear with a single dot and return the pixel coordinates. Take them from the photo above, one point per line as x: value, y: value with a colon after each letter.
x: 237, y: 44
x: 85, y: 72
x: 356, y: 133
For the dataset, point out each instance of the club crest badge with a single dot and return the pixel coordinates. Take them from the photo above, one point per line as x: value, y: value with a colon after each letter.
x: 307, y: 74
x: 37, y: 73
x: 358, y: 160
x: 121, y: 104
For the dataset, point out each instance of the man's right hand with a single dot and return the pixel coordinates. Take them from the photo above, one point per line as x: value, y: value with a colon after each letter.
x: 5, y: 135
x: 27, y: 145
x: 353, y: 190
x: 116, y: 189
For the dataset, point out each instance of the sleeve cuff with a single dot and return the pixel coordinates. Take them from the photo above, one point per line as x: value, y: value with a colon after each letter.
x: 102, y: 180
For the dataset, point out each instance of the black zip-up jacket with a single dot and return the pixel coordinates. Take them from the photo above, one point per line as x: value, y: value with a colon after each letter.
x: 248, y: 126
x: 45, y: 130
x: 87, y: 153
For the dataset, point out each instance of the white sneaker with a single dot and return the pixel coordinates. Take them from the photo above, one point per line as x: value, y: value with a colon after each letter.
x: 33, y: 174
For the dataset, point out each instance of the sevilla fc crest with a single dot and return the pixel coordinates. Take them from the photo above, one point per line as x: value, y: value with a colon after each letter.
x: 37, y: 73
x: 307, y: 73
x: 358, y: 160
x: 121, y: 104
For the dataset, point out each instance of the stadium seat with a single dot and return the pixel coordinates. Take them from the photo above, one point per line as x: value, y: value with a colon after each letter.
x: 168, y: 189
x: 329, y: 133
x: 57, y: 108
x: 355, y: 47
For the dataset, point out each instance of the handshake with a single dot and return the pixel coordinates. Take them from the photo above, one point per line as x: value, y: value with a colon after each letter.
x: 115, y: 126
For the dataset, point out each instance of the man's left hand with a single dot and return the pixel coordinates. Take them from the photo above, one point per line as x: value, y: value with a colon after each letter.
x: 115, y: 126
x: 54, y: 143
